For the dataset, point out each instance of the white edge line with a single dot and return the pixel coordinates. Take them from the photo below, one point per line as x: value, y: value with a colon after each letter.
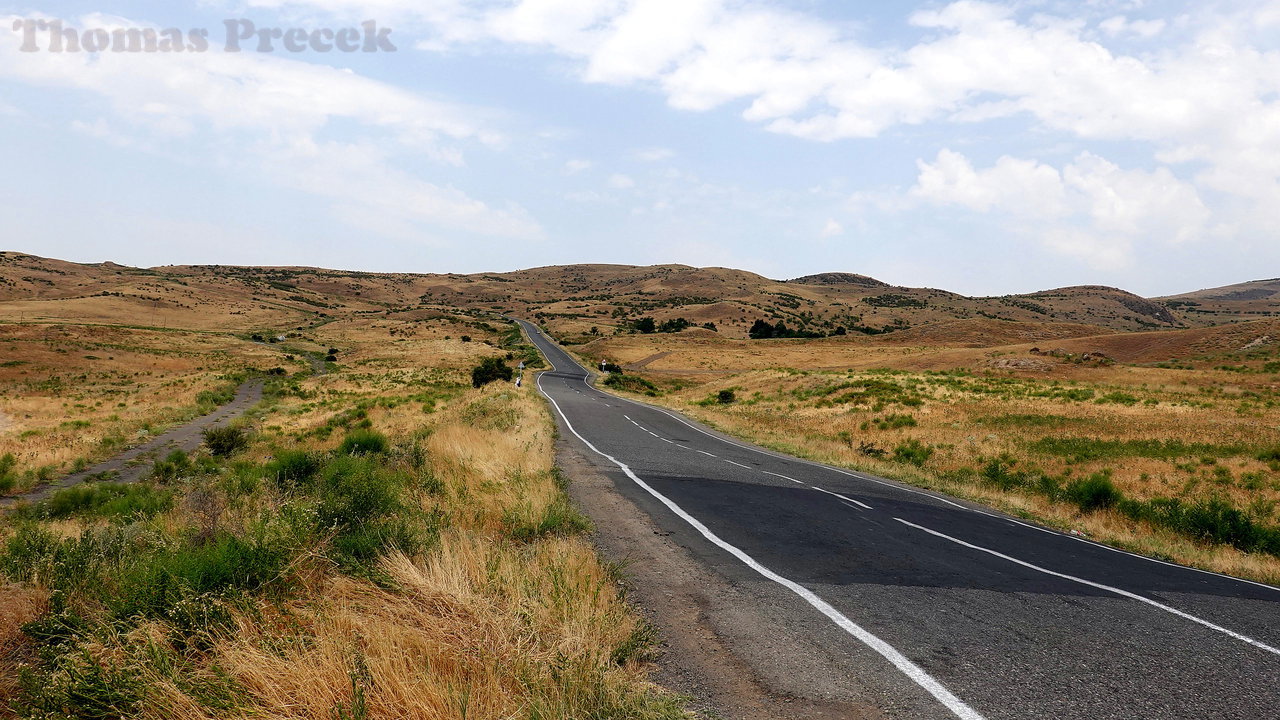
x: 1100, y: 586
x: 887, y: 651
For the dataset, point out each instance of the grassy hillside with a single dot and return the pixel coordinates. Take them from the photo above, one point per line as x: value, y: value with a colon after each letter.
x: 577, y: 302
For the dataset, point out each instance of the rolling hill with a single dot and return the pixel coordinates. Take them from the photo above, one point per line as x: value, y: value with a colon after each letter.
x: 582, y: 301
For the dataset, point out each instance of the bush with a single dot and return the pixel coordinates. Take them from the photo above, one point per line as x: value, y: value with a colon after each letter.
x: 1094, y: 492
x: 8, y: 479
x: 226, y: 440
x: 631, y: 383
x: 726, y: 397
x: 489, y: 370
x: 914, y: 452
x: 173, y: 466
x: 293, y: 469
x: 363, y: 442
x: 107, y: 500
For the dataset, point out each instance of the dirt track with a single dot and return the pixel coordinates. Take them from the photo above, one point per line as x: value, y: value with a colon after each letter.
x: 134, y: 464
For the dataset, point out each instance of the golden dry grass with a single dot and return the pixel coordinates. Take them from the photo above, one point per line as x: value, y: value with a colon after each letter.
x: 483, y: 623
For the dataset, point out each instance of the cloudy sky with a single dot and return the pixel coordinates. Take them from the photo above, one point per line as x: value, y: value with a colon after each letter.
x: 983, y: 147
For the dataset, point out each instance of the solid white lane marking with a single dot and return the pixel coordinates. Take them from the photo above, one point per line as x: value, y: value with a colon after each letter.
x: 784, y: 477
x: 1091, y: 543
x: 1100, y: 586
x: 738, y: 464
x: 887, y: 651
x: 859, y: 503
x: 854, y: 507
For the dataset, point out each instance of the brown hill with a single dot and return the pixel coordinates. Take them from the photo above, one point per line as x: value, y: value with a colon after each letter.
x: 581, y: 301
x: 1233, y: 303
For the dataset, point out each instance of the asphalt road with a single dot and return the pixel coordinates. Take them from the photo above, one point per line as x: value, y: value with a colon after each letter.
x: 925, y: 605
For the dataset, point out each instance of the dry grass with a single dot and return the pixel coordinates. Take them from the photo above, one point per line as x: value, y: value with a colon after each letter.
x: 505, y: 612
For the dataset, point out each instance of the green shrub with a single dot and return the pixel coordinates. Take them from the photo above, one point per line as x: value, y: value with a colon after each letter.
x: 292, y: 469
x: 913, y: 452
x: 363, y: 442
x: 173, y: 466
x: 489, y: 370
x: 354, y: 490
x: 226, y: 440
x: 726, y: 397
x: 1095, y: 492
x: 631, y: 383
x: 1000, y: 472
x: 105, y: 500
x: 8, y: 478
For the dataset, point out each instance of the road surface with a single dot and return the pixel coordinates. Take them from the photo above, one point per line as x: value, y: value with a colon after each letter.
x: 926, y: 606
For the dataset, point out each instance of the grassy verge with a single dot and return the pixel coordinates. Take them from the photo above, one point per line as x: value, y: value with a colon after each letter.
x: 401, y: 560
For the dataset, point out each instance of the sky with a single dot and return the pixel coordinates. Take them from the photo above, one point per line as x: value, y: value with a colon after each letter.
x: 981, y: 147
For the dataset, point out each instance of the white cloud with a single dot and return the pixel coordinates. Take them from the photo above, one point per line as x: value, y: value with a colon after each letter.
x: 1091, y: 209
x: 656, y: 154
x: 272, y: 115
x: 573, y: 167
x: 1119, y: 25
x: 621, y: 182
x: 832, y: 229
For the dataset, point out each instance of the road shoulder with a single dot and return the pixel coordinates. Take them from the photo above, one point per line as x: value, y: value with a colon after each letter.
x: 712, y: 649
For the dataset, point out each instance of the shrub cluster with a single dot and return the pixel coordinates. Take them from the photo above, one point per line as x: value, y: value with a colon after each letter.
x: 1213, y: 520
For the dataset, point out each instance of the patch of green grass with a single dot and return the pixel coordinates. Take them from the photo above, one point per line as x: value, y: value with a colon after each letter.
x: 1083, y: 449
x: 913, y: 452
x: 558, y: 519
x: 103, y: 500
x: 363, y: 442
x: 631, y: 383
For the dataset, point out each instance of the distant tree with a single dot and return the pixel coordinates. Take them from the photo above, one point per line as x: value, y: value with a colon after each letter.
x: 674, y: 326
x: 761, y: 330
x: 726, y: 397
x: 646, y: 325
x: 840, y: 331
x: 465, y: 338
x: 709, y: 326
x: 488, y: 370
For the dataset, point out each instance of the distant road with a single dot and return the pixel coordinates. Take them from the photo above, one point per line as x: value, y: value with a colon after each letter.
x: 925, y: 605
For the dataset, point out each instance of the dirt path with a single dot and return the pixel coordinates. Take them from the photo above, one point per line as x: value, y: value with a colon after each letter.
x: 134, y: 464
x: 641, y: 364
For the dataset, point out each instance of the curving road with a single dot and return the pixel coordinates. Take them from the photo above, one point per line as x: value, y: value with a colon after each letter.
x: 925, y: 606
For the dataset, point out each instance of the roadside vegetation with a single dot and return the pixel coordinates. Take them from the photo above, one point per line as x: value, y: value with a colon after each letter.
x: 1178, y: 464
x: 382, y: 540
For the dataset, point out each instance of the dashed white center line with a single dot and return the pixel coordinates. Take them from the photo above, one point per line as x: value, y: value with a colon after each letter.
x: 738, y: 464
x: 842, y: 497
x: 784, y: 477
x: 704, y: 452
